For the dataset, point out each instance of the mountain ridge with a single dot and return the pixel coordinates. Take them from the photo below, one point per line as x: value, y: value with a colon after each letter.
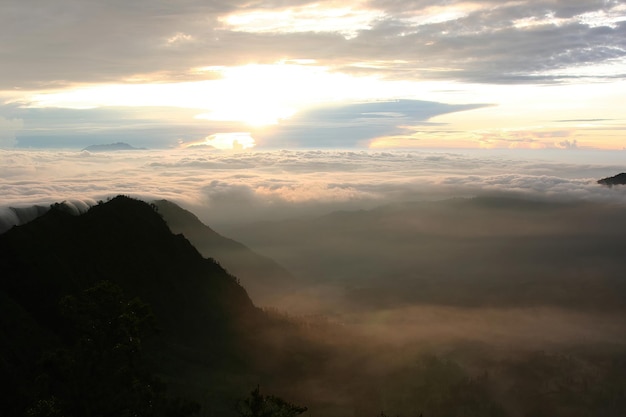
x: 198, y: 306
x: 619, y: 179
x: 264, y: 279
x: 118, y: 146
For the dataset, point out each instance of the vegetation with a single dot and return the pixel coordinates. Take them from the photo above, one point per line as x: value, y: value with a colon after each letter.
x: 110, y: 314
x: 259, y: 405
x: 98, y: 372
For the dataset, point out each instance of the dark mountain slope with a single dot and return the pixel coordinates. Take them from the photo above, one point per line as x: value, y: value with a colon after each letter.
x: 204, y: 317
x: 124, y: 241
x: 119, y: 146
x: 214, y: 345
x: 486, y: 251
x: 264, y: 279
x: 619, y: 179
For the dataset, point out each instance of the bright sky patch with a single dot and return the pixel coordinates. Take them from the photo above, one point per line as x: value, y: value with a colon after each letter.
x: 310, y: 18
x: 185, y: 70
x: 236, y: 141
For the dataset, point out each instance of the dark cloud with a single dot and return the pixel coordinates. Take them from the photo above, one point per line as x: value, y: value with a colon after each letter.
x: 485, y: 46
x: 344, y: 126
x: 350, y: 125
x: 94, y: 41
x: 141, y: 127
x: 46, y: 44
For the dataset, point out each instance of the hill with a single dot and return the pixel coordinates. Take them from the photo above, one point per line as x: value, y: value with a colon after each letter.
x: 265, y: 280
x: 485, y: 251
x: 118, y: 146
x: 98, y: 311
x: 619, y: 179
x: 205, y: 319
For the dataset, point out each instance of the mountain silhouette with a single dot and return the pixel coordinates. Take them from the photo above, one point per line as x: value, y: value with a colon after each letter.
x: 264, y: 279
x: 205, y: 319
x: 488, y: 250
x: 118, y: 146
x: 619, y: 179
x: 99, y: 310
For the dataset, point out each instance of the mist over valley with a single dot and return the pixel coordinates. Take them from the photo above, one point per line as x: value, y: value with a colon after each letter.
x: 364, y: 208
x: 488, y: 304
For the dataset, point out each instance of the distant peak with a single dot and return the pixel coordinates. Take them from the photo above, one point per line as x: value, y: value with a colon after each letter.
x: 619, y: 179
x: 119, y: 146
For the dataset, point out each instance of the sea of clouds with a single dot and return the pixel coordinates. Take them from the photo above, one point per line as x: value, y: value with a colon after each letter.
x: 235, y: 187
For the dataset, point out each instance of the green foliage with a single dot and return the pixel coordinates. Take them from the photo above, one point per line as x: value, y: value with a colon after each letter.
x: 259, y: 405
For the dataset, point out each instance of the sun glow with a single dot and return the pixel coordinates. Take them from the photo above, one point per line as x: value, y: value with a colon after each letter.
x: 255, y: 94
x: 237, y: 141
x: 252, y: 98
x: 345, y: 20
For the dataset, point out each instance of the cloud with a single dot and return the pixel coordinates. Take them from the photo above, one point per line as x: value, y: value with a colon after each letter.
x: 568, y: 144
x: 345, y: 126
x: 540, y: 138
x: 152, y: 127
x: 487, y: 41
x: 8, y: 130
x: 15, y: 216
x: 351, y: 125
x: 230, y: 187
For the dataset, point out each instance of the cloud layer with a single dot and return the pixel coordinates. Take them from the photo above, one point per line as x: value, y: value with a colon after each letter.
x: 226, y: 187
x: 483, y: 41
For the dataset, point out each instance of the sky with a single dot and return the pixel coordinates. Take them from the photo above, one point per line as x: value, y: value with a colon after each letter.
x: 377, y: 74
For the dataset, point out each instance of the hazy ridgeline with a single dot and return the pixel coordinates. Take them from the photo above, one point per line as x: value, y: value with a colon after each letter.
x: 481, y: 252
x: 492, y: 306
x: 529, y: 292
x: 526, y: 299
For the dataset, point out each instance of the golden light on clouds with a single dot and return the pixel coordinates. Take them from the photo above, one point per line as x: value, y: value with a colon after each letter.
x: 321, y: 73
x: 346, y: 20
x: 237, y: 141
x: 255, y: 94
x: 179, y: 38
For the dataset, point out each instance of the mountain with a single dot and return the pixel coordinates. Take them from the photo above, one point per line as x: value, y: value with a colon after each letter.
x: 12, y: 216
x: 265, y: 280
x: 108, y: 313
x: 119, y: 146
x: 619, y: 179
x: 485, y: 251
x: 206, y: 322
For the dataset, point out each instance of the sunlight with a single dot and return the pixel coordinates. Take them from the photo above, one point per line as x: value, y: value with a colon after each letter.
x: 236, y: 141
x: 345, y: 20
x: 255, y: 94
x: 250, y: 114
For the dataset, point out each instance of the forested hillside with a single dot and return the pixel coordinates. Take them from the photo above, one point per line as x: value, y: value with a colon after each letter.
x: 110, y: 313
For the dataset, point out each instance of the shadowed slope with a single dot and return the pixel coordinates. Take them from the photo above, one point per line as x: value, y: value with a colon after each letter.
x: 487, y: 251
x: 264, y: 279
x: 619, y: 179
x: 204, y: 317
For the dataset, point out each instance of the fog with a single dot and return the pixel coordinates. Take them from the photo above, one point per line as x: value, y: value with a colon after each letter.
x: 498, y: 262
x: 515, y: 301
x: 231, y: 188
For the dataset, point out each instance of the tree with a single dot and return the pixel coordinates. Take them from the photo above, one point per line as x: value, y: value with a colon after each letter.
x: 258, y: 405
x: 98, y: 373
